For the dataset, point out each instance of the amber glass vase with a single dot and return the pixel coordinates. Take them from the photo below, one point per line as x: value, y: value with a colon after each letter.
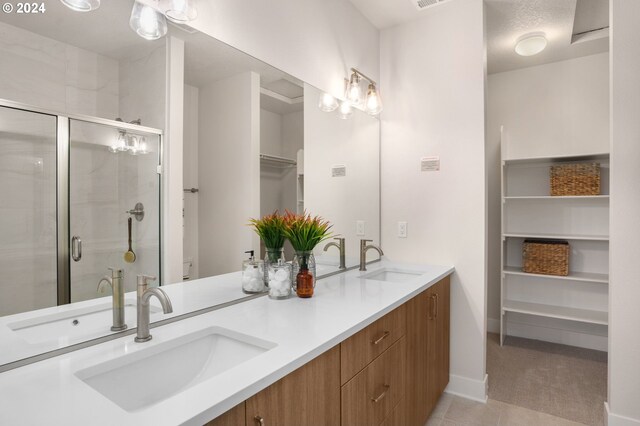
x: 303, y: 273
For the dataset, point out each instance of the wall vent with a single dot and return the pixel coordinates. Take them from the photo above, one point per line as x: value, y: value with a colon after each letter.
x: 423, y: 4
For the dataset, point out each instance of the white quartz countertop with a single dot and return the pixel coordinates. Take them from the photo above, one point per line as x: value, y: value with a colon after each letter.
x: 186, y: 297
x: 49, y: 392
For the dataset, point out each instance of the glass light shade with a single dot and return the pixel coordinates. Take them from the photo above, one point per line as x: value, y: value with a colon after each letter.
x: 327, y: 103
x: 147, y: 22
x: 181, y: 11
x: 354, y: 91
x: 373, y: 103
x: 142, y: 145
x: 530, y: 45
x: 81, y: 5
x: 121, y: 142
x: 346, y: 110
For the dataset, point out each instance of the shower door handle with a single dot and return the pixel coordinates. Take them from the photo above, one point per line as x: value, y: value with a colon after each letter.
x: 76, y: 248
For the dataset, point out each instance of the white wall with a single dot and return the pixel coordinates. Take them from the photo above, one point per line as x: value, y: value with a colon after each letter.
x: 354, y: 143
x: 315, y: 41
x: 190, y: 179
x: 624, y: 290
x: 228, y: 156
x: 560, y: 108
x: 432, y: 72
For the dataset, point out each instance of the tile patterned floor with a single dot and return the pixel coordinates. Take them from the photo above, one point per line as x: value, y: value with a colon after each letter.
x: 455, y: 411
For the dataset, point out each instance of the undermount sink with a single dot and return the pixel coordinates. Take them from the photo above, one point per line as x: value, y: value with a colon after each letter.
x: 391, y: 275
x: 73, y: 326
x: 141, y: 379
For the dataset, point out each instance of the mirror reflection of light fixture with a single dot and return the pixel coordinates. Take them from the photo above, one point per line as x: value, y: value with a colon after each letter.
x: 373, y: 103
x: 81, y: 5
x: 531, y: 44
x: 147, y: 22
x: 126, y: 142
x: 345, y: 111
x: 181, y: 11
x: 327, y: 103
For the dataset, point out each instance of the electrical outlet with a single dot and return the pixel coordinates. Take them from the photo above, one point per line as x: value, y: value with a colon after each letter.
x: 360, y: 227
x: 402, y: 229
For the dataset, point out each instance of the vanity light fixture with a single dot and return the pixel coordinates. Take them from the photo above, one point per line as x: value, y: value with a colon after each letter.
x: 353, y: 93
x: 181, y: 11
x: 531, y: 44
x: 346, y: 110
x: 327, y: 102
x: 133, y: 144
x: 147, y: 22
x: 81, y: 5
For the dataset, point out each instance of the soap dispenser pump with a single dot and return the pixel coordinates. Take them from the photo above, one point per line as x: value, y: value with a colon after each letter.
x: 252, y: 274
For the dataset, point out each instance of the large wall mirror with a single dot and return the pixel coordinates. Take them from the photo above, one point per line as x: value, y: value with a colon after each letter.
x: 83, y: 142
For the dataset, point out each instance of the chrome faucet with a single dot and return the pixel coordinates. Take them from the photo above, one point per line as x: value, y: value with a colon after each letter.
x: 340, y: 245
x: 115, y: 281
x: 363, y: 253
x: 144, y: 294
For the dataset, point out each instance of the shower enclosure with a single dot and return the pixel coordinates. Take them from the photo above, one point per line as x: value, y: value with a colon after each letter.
x: 68, y: 185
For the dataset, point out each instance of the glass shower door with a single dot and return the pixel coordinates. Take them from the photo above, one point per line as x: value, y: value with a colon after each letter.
x: 112, y: 178
x: 28, y: 244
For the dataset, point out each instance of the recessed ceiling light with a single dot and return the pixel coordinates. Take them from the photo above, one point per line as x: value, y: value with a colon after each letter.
x: 531, y: 44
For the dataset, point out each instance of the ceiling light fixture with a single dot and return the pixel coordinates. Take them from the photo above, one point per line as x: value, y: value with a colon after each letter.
x: 531, y: 44
x: 181, y: 11
x: 81, y: 5
x: 147, y: 22
x: 327, y: 102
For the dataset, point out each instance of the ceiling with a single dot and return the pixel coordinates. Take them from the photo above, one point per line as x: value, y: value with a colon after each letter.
x: 507, y: 20
x: 106, y: 31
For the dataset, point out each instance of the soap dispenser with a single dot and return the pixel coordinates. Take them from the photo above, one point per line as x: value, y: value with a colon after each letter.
x: 252, y: 275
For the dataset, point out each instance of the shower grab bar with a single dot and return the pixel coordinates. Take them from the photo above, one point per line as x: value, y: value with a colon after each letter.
x: 76, y: 248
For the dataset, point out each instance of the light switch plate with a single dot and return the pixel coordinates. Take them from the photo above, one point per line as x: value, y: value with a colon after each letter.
x: 402, y: 229
x: 360, y: 227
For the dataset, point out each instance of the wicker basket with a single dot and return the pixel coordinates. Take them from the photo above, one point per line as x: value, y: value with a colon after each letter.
x: 548, y: 257
x: 575, y: 179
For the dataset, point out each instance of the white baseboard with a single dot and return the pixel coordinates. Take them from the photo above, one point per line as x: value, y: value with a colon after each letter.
x: 465, y: 387
x: 612, y: 419
x: 493, y: 325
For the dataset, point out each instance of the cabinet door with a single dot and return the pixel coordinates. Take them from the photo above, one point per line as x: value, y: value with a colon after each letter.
x: 417, y: 401
x: 443, y: 299
x: 233, y: 417
x: 308, y: 396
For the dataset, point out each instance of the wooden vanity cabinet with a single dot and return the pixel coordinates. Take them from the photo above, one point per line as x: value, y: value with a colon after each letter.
x: 308, y: 396
x: 427, y: 351
x: 391, y: 373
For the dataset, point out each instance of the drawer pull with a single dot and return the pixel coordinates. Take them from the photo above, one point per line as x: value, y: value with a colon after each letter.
x: 381, y: 338
x: 382, y: 395
x: 259, y: 420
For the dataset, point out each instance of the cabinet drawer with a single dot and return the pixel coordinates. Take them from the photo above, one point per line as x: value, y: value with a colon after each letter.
x: 372, y: 394
x: 364, y: 346
x: 398, y: 416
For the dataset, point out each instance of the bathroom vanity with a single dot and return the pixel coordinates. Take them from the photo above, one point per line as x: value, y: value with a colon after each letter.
x: 369, y: 348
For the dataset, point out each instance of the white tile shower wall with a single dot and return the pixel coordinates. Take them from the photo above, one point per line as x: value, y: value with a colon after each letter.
x: 46, y: 73
x: 28, y: 211
x: 432, y: 72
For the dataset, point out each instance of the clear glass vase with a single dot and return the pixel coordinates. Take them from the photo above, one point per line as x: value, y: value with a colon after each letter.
x: 303, y: 273
x: 280, y: 274
x: 271, y: 257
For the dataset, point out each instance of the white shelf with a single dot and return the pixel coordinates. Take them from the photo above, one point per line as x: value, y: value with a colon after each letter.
x: 558, y: 159
x: 552, y: 311
x: 587, y: 277
x: 563, y: 197
x: 556, y: 236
